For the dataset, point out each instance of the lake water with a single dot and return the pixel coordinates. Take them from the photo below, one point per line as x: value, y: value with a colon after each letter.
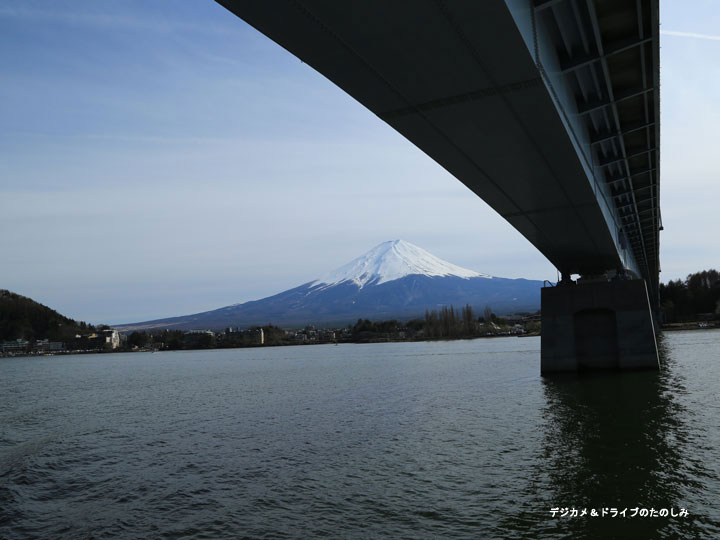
x: 459, y: 439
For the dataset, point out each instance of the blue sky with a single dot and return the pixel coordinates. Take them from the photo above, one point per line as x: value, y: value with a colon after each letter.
x: 160, y: 158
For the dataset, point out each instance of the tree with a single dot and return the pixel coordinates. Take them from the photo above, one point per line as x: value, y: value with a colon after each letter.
x: 488, y: 314
x: 137, y: 339
x: 684, y: 300
x: 431, y: 324
x: 468, y: 318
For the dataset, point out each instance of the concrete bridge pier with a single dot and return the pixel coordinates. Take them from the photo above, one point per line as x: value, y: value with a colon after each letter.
x: 597, y: 325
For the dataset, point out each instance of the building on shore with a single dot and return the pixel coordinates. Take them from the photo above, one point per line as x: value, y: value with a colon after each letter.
x: 47, y: 346
x: 15, y: 346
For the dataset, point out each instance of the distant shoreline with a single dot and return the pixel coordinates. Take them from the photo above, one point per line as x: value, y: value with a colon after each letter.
x: 258, y: 346
x: 672, y: 327
x: 695, y: 325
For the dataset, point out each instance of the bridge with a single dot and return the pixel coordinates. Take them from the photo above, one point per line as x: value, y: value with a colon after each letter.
x: 546, y: 109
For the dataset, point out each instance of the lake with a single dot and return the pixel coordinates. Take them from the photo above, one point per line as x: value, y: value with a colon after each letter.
x: 458, y: 439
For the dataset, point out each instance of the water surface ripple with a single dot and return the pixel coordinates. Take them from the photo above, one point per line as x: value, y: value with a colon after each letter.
x: 456, y: 439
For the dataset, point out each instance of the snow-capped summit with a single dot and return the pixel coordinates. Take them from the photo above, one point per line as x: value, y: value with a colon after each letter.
x: 393, y: 260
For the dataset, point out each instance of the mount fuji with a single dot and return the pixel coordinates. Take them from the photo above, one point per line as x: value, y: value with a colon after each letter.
x: 394, y: 280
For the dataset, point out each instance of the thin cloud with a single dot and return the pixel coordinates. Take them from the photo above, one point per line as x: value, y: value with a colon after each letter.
x: 689, y: 34
x: 95, y: 19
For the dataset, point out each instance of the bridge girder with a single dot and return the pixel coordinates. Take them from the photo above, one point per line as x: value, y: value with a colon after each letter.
x: 547, y: 109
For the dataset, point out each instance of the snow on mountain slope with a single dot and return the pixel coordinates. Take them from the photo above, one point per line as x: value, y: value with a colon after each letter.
x: 390, y: 261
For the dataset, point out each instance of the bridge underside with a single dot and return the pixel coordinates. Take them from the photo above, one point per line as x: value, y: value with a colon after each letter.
x: 546, y: 109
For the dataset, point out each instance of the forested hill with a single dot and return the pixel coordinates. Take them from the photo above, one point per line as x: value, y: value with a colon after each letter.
x: 698, y: 295
x: 23, y: 318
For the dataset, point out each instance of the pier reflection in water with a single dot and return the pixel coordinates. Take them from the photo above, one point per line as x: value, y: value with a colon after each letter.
x: 623, y: 441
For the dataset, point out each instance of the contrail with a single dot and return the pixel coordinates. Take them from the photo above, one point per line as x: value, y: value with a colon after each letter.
x: 689, y: 34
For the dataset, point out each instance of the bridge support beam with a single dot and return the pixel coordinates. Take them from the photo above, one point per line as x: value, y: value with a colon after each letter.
x: 601, y: 325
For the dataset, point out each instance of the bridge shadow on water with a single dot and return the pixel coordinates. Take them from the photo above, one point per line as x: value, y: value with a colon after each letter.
x: 615, y: 441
